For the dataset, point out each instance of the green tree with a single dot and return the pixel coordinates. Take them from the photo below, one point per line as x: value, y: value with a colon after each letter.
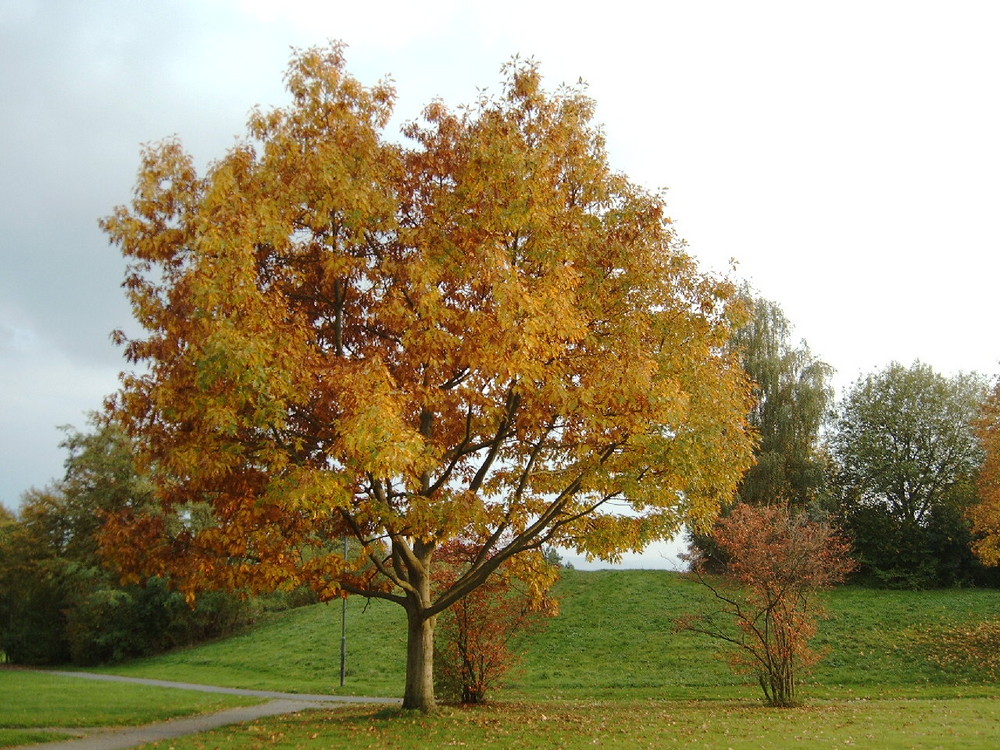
x: 484, y: 333
x: 57, y: 602
x: 907, y: 457
x: 8, y: 523
x: 792, y: 397
x: 32, y: 594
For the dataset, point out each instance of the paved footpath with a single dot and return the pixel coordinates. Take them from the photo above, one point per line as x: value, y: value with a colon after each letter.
x: 126, y: 737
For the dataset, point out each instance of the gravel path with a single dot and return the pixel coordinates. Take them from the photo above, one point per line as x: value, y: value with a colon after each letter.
x: 126, y: 737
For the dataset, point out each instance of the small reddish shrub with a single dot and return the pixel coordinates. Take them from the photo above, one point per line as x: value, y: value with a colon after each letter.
x: 776, y: 562
x: 473, y: 649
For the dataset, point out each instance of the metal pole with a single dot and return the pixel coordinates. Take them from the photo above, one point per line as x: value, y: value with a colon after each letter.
x: 343, y: 631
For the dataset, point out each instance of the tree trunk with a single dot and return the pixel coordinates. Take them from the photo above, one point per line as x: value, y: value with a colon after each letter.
x: 419, y: 692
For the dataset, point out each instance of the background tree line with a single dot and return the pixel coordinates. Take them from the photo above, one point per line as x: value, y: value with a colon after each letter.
x: 59, y: 603
x: 895, y: 463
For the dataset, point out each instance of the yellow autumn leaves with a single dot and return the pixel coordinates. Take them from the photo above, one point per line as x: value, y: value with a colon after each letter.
x: 484, y: 333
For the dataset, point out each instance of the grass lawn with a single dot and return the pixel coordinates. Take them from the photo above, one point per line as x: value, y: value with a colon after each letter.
x: 614, y: 638
x: 967, y: 723
x: 296, y: 651
x: 33, y: 700
x: 610, y: 671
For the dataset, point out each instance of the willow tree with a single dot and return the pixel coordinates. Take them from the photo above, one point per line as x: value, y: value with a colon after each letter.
x: 483, y: 333
x: 792, y: 395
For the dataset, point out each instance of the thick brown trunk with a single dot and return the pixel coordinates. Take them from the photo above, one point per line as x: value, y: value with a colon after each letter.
x: 419, y: 692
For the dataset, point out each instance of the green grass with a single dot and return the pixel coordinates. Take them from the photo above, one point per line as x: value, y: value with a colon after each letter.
x: 614, y: 638
x: 15, y: 737
x: 883, y: 640
x: 297, y: 651
x: 33, y: 700
x: 627, y: 725
x: 611, y: 668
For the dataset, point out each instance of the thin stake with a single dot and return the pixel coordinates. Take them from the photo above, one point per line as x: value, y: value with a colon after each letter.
x: 343, y: 632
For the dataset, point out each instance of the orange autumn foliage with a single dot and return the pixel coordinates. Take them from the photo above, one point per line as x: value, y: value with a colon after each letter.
x: 483, y: 333
x: 777, y: 561
x: 985, y: 515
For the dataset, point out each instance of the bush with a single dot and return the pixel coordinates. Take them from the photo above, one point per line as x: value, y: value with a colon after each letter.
x: 776, y: 561
x: 114, y: 624
x: 473, y: 653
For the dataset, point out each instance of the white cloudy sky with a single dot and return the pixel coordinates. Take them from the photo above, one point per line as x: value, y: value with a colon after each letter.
x: 846, y: 154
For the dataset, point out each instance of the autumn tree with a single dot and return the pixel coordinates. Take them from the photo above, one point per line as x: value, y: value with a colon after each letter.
x: 985, y: 514
x: 474, y: 652
x: 906, y: 459
x: 778, y: 560
x: 483, y: 333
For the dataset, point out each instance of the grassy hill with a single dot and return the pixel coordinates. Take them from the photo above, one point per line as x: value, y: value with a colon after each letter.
x: 613, y: 639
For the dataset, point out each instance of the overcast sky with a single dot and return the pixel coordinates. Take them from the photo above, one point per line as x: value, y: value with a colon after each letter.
x: 845, y: 154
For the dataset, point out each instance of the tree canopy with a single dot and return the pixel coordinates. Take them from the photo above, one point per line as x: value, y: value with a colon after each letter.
x: 792, y: 396
x: 907, y: 457
x: 484, y: 333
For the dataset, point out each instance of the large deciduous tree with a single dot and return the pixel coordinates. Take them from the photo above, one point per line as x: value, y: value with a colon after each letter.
x: 906, y: 458
x: 484, y: 333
